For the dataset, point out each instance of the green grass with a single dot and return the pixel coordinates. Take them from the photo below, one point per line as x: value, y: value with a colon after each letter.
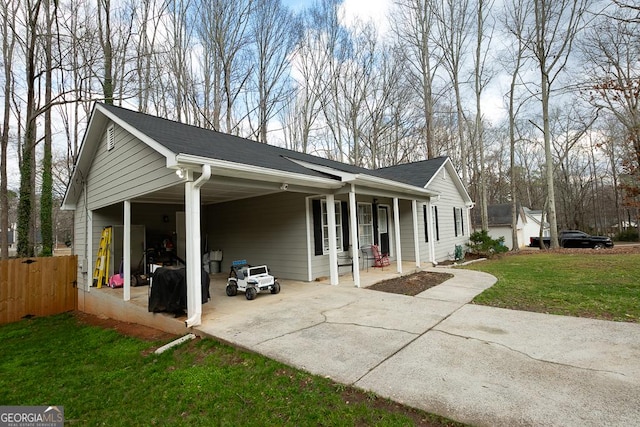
x: 597, y: 285
x: 104, y: 378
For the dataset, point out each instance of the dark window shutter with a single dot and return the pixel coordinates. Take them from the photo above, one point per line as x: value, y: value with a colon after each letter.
x: 317, y: 226
x: 426, y: 223
x: 374, y: 218
x: 462, y: 221
x: 435, y: 211
x: 345, y: 225
x: 455, y: 221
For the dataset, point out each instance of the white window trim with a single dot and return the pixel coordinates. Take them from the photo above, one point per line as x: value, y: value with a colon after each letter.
x: 339, y: 237
x: 370, y: 206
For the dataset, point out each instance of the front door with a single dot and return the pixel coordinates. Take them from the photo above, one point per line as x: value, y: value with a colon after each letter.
x: 383, y: 228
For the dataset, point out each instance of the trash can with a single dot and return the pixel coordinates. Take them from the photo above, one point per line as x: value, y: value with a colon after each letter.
x: 215, y: 259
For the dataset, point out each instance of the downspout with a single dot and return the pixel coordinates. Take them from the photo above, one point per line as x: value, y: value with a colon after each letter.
x: 194, y: 290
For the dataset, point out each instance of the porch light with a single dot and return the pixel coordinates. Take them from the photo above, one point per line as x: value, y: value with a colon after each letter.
x: 180, y: 172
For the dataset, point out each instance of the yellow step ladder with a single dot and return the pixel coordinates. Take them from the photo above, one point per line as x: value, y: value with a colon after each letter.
x: 101, y: 271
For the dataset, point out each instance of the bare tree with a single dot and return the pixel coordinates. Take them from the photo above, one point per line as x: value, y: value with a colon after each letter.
x: 550, y: 39
x: 414, y: 25
x: 611, y: 54
x: 8, y: 11
x: 454, y: 19
x: 275, y: 32
x: 515, y: 18
x: 482, y: 76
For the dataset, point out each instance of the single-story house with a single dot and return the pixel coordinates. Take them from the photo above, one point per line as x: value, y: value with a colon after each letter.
x: 164, y: 183
x: 499, y: 216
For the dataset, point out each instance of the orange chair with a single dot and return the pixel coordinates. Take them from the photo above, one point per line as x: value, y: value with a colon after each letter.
x: 380, y: 260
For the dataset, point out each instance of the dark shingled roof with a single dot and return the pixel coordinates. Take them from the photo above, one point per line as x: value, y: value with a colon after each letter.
x: 416, y: 173
x: 181, y: 138
x: 499, y: 215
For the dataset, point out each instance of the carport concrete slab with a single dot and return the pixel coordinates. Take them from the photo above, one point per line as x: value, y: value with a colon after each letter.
x: 487, y: 384
x: 248, y: 323
x: 343, y: 352
x: 579, y: 342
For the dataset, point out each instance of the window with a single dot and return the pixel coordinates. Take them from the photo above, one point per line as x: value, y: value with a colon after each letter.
x: 458, y: 223
x: 365, y: 224
x: 434, y: 213
x: 320, y: 228
x: 325, y: 226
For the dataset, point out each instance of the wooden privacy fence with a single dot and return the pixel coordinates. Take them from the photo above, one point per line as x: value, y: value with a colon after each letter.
x: 37, y: 287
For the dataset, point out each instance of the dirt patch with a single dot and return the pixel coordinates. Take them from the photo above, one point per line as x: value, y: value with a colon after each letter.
x: 125, y: 328
x: 411, y: 284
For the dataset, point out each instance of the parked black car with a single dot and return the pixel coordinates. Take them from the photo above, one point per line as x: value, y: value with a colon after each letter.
x: 574, y: 239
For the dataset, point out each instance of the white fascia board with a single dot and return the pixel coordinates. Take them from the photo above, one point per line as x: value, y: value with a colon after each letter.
x: 344, y: 176
x: 83, y: 161
x: 457, y: 181
x: 240, y: 170
x: 387, y: 184
x: 135, y: 132
x: 364, y: 179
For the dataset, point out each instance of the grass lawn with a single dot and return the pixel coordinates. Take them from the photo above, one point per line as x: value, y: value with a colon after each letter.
x: 597, y: 284
x: 104, y: 378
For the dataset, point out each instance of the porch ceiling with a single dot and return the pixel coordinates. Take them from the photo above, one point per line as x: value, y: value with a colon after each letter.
x: 211, y: 193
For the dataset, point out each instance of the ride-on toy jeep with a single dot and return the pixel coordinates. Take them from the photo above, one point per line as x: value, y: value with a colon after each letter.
x: 250, y: 280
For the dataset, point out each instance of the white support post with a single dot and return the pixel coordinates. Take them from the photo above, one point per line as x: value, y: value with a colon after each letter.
x: 416, y: 238
x: 396, y: 225
x: 126, y: 250
x: 333, y: 253
x: 353, y: 231
x: 90, y: 262
x: 431, y: 234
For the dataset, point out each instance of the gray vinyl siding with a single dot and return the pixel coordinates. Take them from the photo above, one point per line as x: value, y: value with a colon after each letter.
x: 79, y: 244
x: 263, y: 230
x: 406, y: 231
x: 450, y: 197
x: 129, y: 170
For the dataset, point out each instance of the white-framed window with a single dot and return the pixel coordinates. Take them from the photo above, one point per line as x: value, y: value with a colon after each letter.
x: 365, y: 224
x: 458, y: 222
x: 325, y: 227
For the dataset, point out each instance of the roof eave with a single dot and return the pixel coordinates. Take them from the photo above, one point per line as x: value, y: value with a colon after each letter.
x: 240, y: 170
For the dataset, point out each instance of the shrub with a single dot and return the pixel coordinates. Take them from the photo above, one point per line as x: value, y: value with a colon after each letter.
x: 630, y: 235
x: 481, y: 243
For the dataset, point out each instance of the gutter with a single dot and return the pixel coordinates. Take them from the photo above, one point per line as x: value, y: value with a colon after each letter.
x: 193, y: 255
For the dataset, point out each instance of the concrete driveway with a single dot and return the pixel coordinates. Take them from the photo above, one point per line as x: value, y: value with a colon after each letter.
x: 475, y: 364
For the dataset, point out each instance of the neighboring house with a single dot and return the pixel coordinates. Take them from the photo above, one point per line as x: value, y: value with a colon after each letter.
x: 532, y: 226
x: 299, y: 214
x: 500, y: 223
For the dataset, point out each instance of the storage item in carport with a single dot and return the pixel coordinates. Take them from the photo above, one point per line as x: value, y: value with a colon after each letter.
x: 116, y: 281
x: 169, y: 290
x: 250, y: 279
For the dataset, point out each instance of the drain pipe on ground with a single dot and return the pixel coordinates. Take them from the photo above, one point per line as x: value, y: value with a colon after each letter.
x: 194, y: 290
x: 174, y: 343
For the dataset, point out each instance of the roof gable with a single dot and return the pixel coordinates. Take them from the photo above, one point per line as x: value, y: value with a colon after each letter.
x: 423, y: 173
